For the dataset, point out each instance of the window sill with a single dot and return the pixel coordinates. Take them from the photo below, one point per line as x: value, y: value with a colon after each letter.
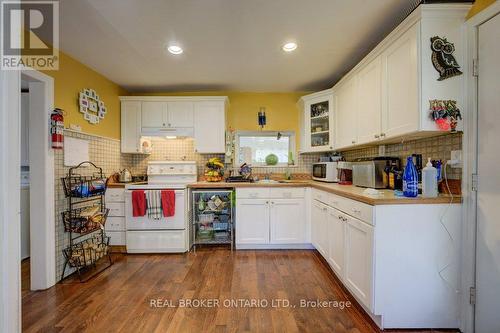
x: 263, y: 166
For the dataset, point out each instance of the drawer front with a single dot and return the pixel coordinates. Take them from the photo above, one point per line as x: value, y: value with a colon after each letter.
x: 116, y: 209
x: 252, y: 193
x: 321, y: 196
x: 359, y: 210
x: 116, y: 237
x: 287, y: 192
x: 114, y: 223
x: 115, y: 195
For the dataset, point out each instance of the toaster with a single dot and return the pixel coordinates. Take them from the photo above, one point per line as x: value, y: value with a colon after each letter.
x: 370, y: 172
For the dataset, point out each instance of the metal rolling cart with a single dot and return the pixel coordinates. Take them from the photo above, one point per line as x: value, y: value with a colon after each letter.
x: 212, y: 218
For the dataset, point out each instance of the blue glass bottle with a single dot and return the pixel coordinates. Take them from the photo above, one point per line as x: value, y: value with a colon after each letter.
x: 410, y: 179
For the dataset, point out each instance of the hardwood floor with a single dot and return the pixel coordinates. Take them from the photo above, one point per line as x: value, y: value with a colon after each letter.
x: 119, y: 299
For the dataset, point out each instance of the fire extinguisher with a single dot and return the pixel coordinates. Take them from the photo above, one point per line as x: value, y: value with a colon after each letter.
x: 57, y: 128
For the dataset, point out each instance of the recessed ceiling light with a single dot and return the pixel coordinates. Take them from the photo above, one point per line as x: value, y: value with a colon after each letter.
x: 175, y: 49
x: 289, y: 47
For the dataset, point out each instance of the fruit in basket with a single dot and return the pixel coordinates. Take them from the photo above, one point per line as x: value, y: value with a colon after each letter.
x: 215, y: 170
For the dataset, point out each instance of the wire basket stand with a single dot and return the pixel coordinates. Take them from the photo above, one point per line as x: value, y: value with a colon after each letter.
x: 84, y: 221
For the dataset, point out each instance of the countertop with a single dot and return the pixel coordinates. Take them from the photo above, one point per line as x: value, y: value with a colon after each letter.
x: 122, y: 185
x: 386, y: 197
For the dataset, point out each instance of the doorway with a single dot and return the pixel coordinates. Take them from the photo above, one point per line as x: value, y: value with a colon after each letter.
x: 40, y: 103
x: 488, y: 188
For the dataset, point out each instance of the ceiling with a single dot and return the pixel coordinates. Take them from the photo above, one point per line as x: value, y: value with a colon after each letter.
x: 228, y: 44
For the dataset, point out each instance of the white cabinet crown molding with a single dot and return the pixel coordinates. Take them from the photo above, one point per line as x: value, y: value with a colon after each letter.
x: 174, y: 98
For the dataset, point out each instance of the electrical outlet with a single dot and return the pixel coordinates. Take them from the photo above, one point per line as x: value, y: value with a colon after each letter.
x: 381, y: 150
x: 456, y: 159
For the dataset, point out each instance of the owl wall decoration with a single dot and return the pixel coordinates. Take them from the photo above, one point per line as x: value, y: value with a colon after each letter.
x: 442, y: 58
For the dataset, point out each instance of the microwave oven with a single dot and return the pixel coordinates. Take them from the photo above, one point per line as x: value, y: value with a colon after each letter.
x: 325, y: 172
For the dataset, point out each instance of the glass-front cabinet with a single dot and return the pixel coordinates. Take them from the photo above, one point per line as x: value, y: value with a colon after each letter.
x: 317, y: 122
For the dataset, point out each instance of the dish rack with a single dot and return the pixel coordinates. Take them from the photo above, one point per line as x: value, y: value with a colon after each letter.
x: 212, y: 219
x: 85, y: 219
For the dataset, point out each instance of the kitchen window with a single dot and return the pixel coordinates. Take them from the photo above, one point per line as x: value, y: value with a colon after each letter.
x: 253, y: 147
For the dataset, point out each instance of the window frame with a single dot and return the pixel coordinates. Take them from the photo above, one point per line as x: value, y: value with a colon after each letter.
x: 291, y: 147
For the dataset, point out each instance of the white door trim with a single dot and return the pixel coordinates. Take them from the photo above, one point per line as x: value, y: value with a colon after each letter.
x: 10, y: 215
x: 42, y: 233
x: 470, y: 166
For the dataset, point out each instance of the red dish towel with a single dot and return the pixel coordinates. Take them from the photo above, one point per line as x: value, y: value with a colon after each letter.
x: 168, y: 202
x: 138, y: 203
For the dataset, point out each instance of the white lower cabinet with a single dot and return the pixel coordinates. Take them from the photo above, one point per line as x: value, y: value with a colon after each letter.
x: 319, y: 237
x: 336, y: 236
x: 358, y: 248
x: 115, y: 223
x: 271, y: 217
x: 252, y: 221
x: 288, y: 221
x: 346, y: 243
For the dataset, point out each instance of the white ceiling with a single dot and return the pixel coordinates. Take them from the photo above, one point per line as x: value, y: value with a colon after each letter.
x: 228, y: 44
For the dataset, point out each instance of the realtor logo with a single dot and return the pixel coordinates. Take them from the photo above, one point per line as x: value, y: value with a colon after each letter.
x: 29, y: 35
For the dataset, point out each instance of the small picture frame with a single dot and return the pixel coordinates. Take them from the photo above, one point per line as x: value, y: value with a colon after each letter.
x: 87, y: 116
x: 82, y: 96
x: 101, y: 114
x: 101, y: 103
x: 103, y: 109
x: 87, y: 92
x: 93, y: 106
x: 96, y: 97
x: 83, y: 109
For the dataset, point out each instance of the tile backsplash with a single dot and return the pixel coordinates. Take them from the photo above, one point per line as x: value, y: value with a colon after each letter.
x: 437, y: 148
x: 179, y: 149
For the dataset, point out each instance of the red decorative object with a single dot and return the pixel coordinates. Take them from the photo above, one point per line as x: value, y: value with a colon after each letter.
x: 443, y: 124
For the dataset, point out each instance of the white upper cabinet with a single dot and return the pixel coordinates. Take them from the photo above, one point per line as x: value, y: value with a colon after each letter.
x: 209, y: 127
x: 346, y: 116
x: 130, y: 126
x: 386, y: 96
x: 154, y: 114
x: 316, y: 122
x: 369, y: 101
x: 203, y: 118
x: 400, y: 91
x: 180, y: 114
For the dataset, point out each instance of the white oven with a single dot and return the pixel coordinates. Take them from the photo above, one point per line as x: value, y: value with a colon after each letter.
x: 176, y: 222
x: 166, y: 234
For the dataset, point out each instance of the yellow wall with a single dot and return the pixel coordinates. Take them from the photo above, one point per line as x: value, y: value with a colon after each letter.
x: 281, y: 109
x: 478, y: 6
x: 69, y: 80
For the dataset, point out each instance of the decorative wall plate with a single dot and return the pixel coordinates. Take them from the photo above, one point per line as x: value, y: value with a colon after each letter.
x: 91, y: 106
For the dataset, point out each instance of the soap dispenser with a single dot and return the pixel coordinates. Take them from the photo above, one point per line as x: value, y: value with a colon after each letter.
x: 429, y: 181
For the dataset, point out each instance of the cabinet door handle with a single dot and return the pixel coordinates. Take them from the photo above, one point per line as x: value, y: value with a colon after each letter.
x: 357, y: 211
x: 377, y: 136
x: 353, y: 141
x: 382, y: 134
